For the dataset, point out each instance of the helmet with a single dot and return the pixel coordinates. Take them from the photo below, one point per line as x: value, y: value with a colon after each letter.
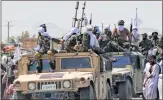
x: 121, y: 22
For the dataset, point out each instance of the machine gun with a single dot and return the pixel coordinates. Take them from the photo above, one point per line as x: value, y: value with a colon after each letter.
x: 82, y: 18
x: 75, y: 18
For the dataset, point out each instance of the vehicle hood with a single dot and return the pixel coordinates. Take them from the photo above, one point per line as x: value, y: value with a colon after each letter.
x: 125, y: 70
x: 55, y: 76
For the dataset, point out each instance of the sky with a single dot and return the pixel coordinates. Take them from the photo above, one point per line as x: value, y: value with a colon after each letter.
x: 57, y: 15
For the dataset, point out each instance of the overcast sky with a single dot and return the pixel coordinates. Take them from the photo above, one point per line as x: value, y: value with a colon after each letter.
x: 28, y: 15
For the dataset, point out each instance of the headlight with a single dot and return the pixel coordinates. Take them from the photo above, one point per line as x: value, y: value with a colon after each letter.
x: 66, y: 84
x: 31, y: 86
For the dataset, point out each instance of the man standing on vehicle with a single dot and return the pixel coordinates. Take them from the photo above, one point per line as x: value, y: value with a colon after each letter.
x: 122, y: 34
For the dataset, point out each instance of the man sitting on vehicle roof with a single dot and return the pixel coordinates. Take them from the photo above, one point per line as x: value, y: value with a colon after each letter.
x: 71, y: 39
x: 122, y: 34
x: 96, y: 31
x: 89, y: 41
x: 44, y: 40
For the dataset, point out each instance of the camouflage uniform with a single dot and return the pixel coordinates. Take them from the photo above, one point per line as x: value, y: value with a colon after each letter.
x: 103, y: 40
x: 145, y: 45
x: 71, y: 42
x: 161, y: 42
x: 44, y: 43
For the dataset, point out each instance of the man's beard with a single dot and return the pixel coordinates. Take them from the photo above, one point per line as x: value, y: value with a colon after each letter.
x: 152, y: 62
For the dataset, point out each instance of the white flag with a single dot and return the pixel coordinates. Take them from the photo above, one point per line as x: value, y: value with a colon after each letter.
x: 85, y: 20
x: 17, y: 54
x: 137, y: 20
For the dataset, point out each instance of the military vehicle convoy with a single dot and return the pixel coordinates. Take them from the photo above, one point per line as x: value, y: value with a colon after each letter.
x: 83, y: 75
x: 127, y: 73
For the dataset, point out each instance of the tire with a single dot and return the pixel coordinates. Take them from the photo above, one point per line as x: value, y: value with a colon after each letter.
x: 18, y: 95
x: 125, y: 90
x: 87, y: 93
x: 108, y: 92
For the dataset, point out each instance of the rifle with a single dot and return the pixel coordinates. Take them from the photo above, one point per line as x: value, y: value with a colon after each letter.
x: 90, y: 22
x: 75, y: 18
x: 56, y: 40
x: 116, y: 34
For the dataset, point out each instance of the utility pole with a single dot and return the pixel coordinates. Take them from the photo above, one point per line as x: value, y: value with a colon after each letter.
x: 8, y: 29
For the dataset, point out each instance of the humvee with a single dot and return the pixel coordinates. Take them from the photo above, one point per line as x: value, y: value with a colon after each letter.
x: 82, y: 75
x: 127, y: 74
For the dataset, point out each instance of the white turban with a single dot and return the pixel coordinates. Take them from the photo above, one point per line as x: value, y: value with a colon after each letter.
x: 134, y: 27
x: 98, y: 29
x: 89, y: 28
x: 73, y: 30
x: 46, y: 34
x: 41, y: 30
x: 107, y: 28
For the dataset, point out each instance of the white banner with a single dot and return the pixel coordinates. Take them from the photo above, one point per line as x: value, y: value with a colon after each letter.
x: 17, y: 54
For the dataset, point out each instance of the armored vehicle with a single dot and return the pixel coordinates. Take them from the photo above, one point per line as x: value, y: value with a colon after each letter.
x: 127, y: 73
x: 83, y: 75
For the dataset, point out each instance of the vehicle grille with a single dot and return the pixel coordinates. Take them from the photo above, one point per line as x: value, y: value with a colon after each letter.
x: 39, y: 84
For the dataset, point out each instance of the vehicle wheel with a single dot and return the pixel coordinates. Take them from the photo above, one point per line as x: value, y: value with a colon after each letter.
x: 18, y: 95
x: 125, y: 90
x: 87, y: 93
x: 108, y: 92
x: 133, y: 92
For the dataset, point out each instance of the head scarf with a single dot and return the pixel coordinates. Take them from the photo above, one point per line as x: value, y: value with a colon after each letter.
x: 41, y: 30
x: 73, y: 30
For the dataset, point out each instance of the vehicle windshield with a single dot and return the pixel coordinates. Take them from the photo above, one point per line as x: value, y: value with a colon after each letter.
x: 121, y: 61
x: 45, y: 63
x: 72, y: 63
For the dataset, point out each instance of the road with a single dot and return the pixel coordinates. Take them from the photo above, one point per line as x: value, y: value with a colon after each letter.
x: 137, y: 98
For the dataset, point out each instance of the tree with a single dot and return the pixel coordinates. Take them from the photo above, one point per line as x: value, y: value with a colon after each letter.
x: 24, y: 35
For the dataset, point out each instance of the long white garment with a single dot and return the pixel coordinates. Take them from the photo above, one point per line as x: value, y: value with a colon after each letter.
x: 150, y: 90
x: 93, y: 39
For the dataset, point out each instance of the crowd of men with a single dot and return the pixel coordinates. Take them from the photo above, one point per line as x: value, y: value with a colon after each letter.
x: 118, y: 40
